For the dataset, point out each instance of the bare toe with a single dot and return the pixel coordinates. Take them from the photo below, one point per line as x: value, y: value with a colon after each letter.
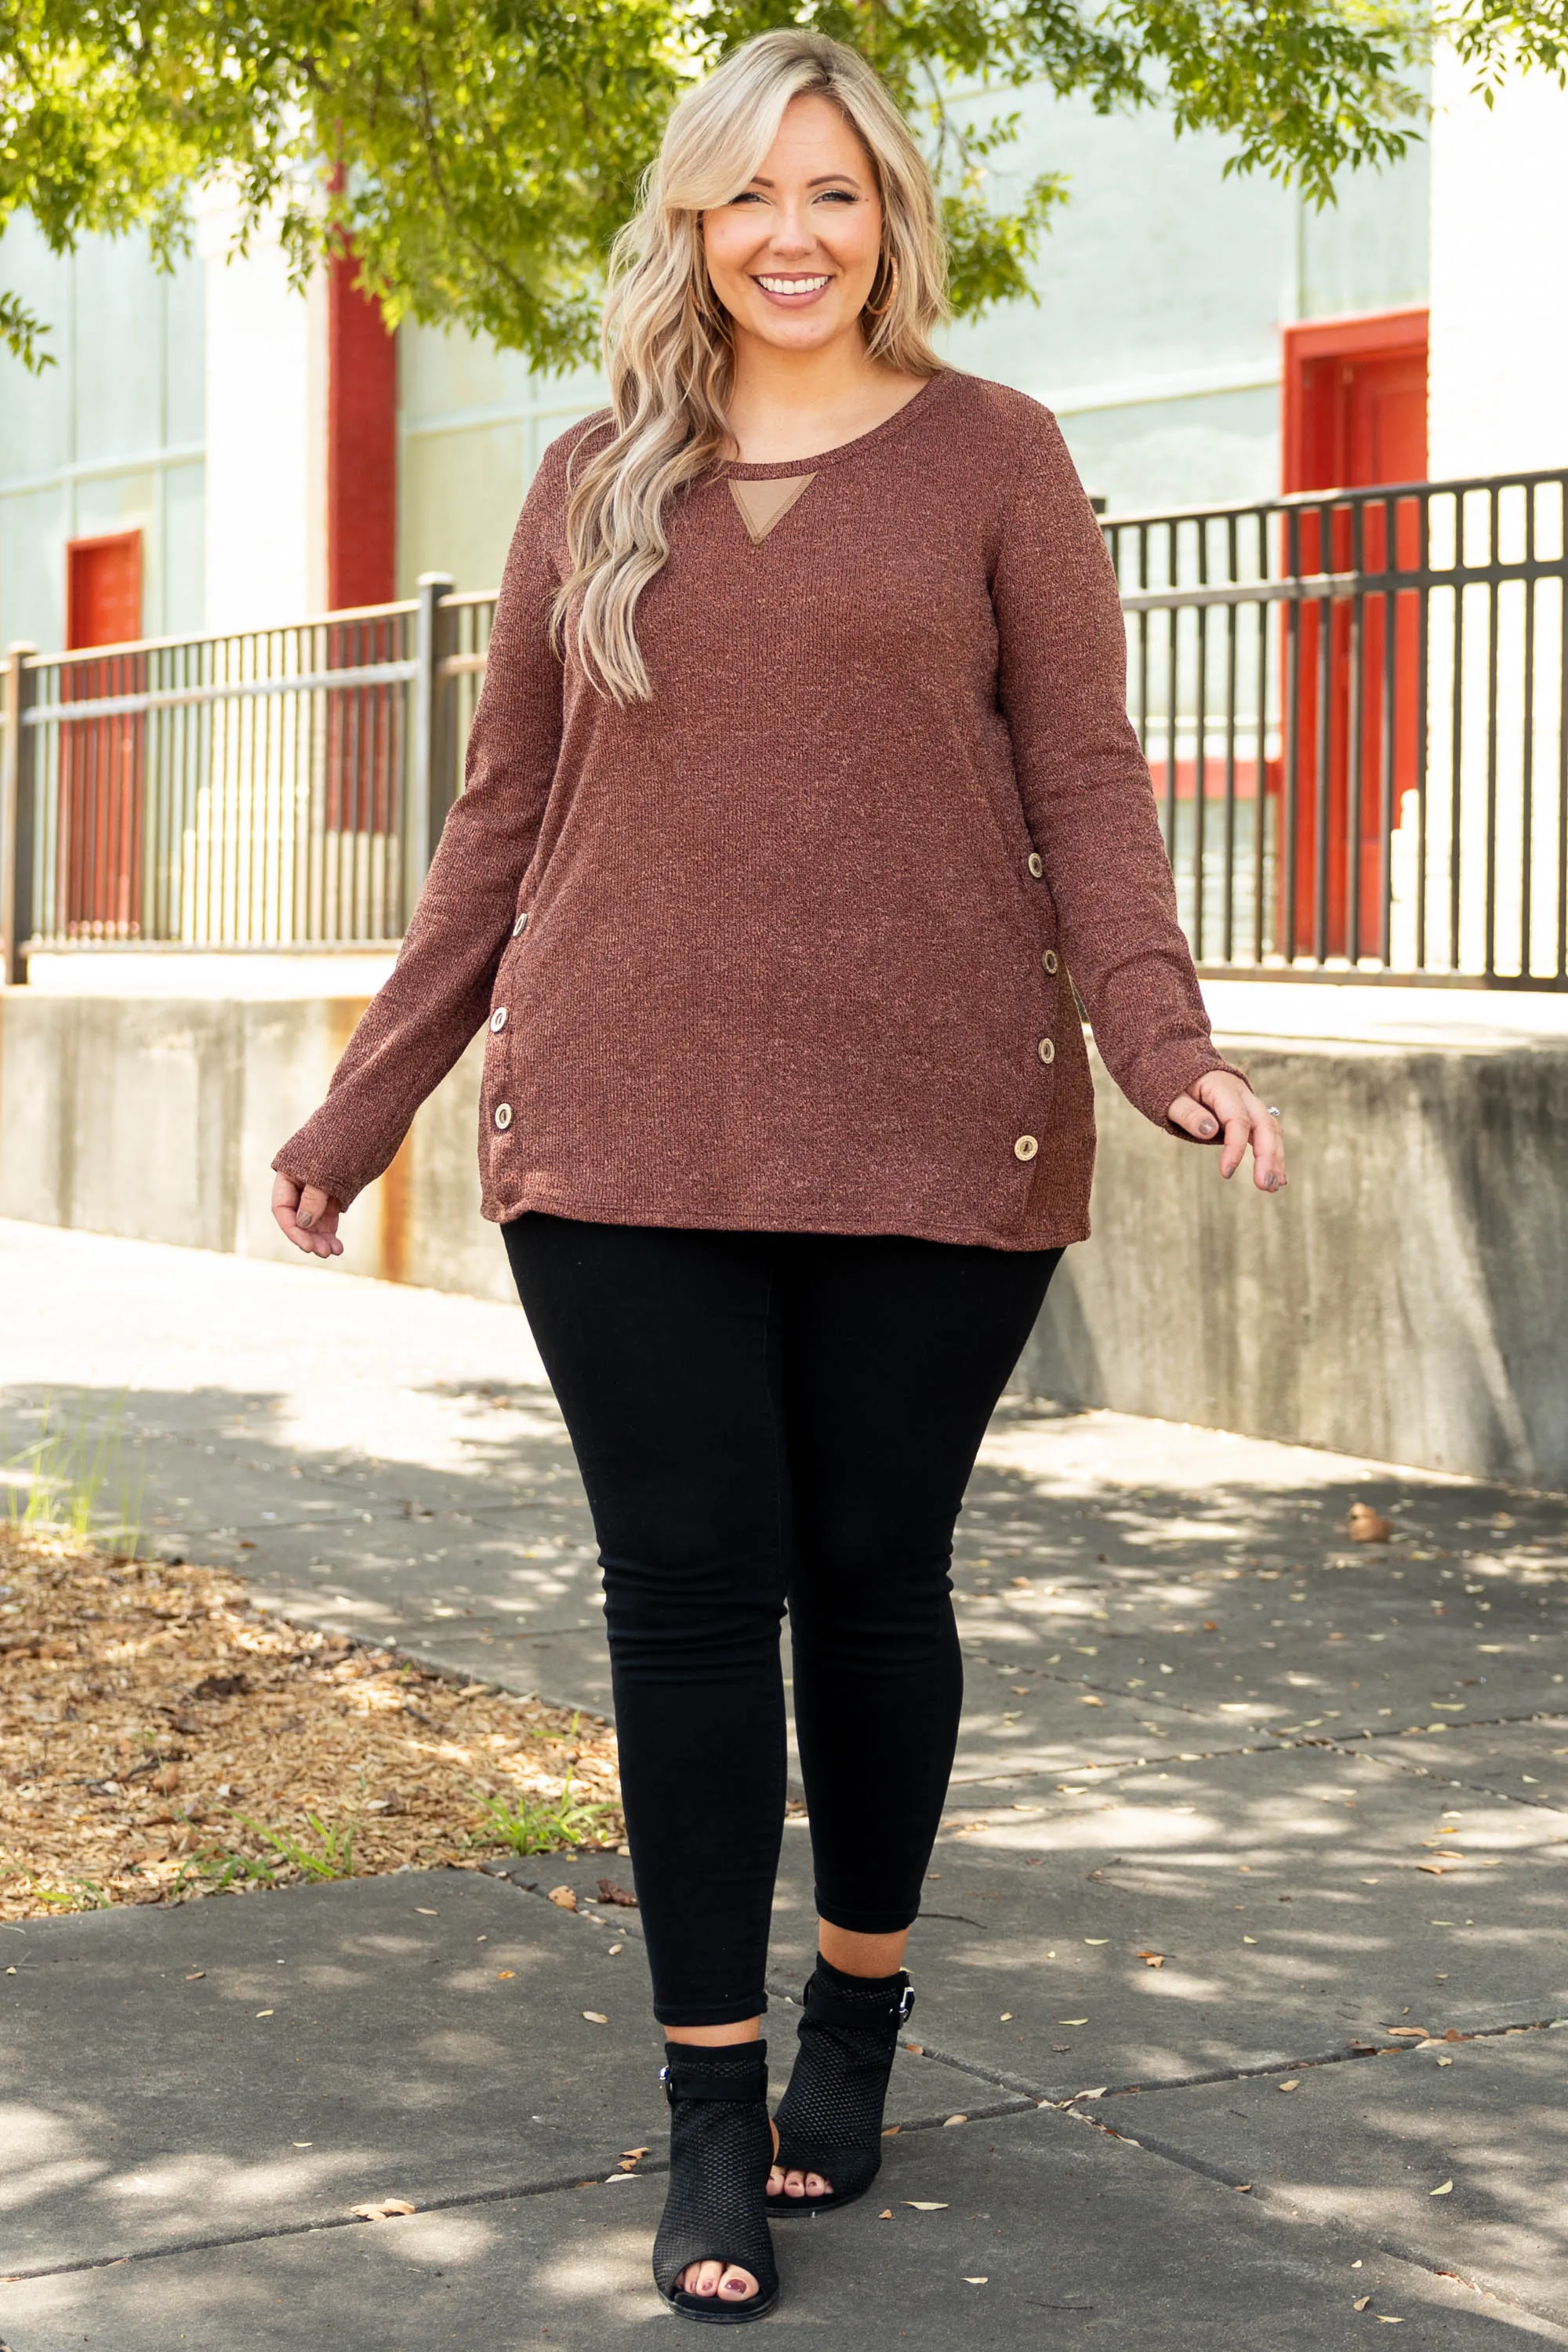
x: 737, y: 2286
x: 816, y: 2186
x: 795, y: 2184
x: 776, y: 2182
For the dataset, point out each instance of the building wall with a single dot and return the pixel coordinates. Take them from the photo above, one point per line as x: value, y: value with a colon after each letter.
x: 194, y: 406
x: 1161, y: 290
x: 110, y: 438
x: 1498, y: 387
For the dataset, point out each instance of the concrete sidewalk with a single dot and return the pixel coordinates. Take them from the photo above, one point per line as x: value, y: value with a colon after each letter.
x: 1253, y: 1872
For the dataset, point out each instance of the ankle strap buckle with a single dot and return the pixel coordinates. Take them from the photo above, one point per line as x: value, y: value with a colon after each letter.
x: 741, y: 2085
x: 827, y: 2007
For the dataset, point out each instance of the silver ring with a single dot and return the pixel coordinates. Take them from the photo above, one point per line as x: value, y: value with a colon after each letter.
x: 1274, y: 1110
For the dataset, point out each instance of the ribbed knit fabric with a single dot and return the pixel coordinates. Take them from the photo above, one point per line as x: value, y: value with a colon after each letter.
x: 787, y: 948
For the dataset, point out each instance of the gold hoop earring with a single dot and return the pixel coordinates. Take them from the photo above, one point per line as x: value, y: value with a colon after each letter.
x: 880, y: 310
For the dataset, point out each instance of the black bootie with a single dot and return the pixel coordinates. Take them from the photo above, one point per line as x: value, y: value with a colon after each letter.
x: 830, y: 2119
x: 719, y: 2151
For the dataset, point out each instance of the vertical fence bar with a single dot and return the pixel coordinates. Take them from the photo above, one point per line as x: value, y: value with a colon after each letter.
x: 1354, y: 778
x: 432, y: 768
x: 1527, y: 754
x: 1388, y: 732
x: 1493, y: 593
x: 18, y: 814
x: 1265, y: 610
x: 1232, y: 623
x: 1561, y: 973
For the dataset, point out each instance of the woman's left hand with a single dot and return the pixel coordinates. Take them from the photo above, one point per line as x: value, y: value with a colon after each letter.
x: 1217, y: 1100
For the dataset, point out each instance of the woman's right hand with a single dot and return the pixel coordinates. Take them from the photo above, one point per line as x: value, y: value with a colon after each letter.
x: 309, y: 1217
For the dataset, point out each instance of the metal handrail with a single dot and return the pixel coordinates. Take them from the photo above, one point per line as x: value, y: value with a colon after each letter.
x: 1353, y: 703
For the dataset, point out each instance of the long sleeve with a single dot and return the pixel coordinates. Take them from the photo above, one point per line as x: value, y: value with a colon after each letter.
x: 438, y: 992
x: 1084, y: 782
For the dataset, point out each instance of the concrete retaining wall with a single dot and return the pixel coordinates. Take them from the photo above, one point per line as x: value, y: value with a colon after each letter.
x: 157, y: 1118
x: 1406, y: 1298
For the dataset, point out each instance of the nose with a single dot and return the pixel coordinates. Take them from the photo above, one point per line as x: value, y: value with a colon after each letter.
x: 792, y: 236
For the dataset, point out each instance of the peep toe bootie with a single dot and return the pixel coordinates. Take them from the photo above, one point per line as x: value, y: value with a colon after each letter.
x: 719, y: 2151
x: 830, y: 2119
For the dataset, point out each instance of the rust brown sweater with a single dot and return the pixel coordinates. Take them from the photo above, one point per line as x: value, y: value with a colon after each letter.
x: 787, y: 946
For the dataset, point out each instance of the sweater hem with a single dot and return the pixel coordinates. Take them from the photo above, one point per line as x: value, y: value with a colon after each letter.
x: 767, y: 1216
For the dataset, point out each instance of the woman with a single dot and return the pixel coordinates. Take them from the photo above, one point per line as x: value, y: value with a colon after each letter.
x: 801, y: 775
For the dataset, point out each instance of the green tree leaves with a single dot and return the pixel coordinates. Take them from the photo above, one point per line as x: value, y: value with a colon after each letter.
x: 480, y: 154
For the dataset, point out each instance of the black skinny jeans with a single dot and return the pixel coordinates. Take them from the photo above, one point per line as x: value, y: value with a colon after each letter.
x: 765, y: 1418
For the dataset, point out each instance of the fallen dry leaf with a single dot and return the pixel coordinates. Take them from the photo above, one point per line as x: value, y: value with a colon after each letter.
x: 502, y: 1974
x: 564, y: 1898
x: 1088, y: 1699
x: 919, y: 2205
x: 886, y: 2214
x: 956, y: 2119
x: 1446, y: 2190
x: 1366, y: 1526
x: 1152, y: 1960
x: 610, y: 1893
x: 382, y: 2208
x: 1387, y: 2319
x: 975, y: 2282
x: 596, y: 2017
x: 1244, y: 2187
x: 1361, y: 2303
x: 1293, y: 2085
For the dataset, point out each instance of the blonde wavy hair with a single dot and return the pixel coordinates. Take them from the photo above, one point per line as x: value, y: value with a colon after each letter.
x: 667, y: 338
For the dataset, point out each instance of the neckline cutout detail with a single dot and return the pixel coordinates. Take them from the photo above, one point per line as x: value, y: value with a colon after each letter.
x: 764, y: 504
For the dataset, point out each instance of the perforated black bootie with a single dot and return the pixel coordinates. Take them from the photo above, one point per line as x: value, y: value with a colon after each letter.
x: 830, y: 2119
x: 719, y: 2151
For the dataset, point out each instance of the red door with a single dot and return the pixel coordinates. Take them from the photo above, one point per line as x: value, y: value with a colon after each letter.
x: 100, y: 771
x: 1355, y: 418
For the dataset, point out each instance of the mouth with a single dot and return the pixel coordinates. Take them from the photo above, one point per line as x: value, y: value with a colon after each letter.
x: 793, y: 291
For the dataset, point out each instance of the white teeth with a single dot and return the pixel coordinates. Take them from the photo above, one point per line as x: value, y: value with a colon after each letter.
x: 792, y: 285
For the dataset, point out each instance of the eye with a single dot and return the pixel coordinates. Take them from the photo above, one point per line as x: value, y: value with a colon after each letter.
x: 748, y: 196
x: 839, y: 196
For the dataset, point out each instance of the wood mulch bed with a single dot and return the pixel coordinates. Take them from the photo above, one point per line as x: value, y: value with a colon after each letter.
x: 162, y: 1738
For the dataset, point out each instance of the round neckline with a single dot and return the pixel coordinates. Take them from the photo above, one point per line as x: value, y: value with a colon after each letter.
x: 735, y: 470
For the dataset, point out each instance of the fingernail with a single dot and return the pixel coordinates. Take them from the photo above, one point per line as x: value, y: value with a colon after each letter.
x: 305, y: 1220
x: 1207, y: 1128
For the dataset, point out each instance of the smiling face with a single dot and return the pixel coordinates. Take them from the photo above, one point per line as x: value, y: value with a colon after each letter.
x: 794, y: 257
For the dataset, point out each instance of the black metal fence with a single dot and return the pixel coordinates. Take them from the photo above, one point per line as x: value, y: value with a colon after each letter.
x: 1351, y: 703
x: 1352, y: 706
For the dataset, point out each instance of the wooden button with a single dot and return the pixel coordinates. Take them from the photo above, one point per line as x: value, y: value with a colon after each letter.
x: 1049, y: 959
x: 1047, y: 1050
x: 1037, y: 864
x: 1025, y: 1148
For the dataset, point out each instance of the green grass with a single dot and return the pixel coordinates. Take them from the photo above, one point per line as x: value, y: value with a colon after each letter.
x: 60, y: 1479
x: 81, y: 1895
x: 548, y: 1825
x: 330, y: 1855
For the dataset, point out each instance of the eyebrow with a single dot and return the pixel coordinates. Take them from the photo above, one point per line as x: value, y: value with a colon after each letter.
x: 823, y: 180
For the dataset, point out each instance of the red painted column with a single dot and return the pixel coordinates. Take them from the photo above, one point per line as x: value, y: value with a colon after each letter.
x: 362, y: 445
